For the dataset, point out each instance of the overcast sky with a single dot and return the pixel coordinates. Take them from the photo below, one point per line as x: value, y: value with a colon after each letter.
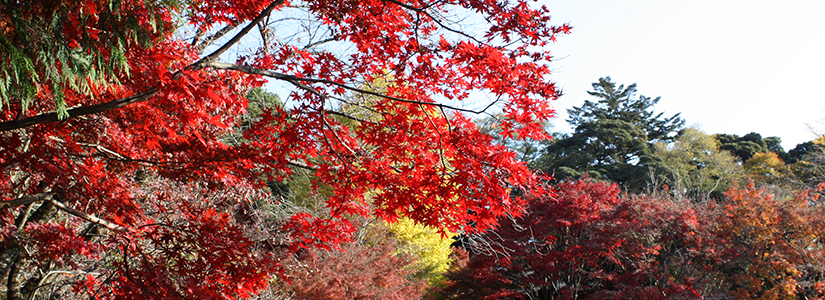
x: 728, y: 66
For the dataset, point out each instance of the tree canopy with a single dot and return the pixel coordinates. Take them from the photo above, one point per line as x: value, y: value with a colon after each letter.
x: 620, y: 103
x: 693, y: 166
x: 126, y: 154
x: 588, y: 240
x: 242, y: 149
x: 748, y: 145
x: 612, y: 135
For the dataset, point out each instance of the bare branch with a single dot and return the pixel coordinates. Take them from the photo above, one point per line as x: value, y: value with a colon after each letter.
x: 205, y: 42
x: 324, y: 41
x: 111, y: 154
x: 302, y: 165
x: 424, y: 12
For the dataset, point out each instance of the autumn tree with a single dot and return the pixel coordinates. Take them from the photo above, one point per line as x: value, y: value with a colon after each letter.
x: 369, y: 270
x: 772, y: 247
x: 611, y: 137
x: 430, y: 250
x: 587, y: 240
x: 767, y: 168
x: 109, y: 106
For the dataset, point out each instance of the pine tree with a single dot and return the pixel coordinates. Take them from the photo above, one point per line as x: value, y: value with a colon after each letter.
x: 613, y: 136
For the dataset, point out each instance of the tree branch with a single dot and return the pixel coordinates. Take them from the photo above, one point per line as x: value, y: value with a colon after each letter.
x: 26, y: 200
x: 202, y: 43
x: 93, y: 109
x: 80, y: 111
x: 217, y: 53
x: 302, y: 165
x: 296, y: 80
x: 87, y: 217
x: 424, y: 12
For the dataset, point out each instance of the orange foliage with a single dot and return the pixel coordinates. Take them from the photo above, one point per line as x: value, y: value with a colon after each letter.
x: 774, y: 247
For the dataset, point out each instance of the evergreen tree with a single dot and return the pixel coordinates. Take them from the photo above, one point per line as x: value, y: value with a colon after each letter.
x: 613, y: 136
x: 618, y: 103
x: 746, y: 146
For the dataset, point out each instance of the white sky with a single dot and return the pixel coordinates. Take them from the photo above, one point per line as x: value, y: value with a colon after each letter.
x: 728, y: 66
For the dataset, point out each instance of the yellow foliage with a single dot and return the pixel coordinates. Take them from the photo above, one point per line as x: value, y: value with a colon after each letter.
x: 431, y: 249
x: 765, y: 163
x: 820, y: 140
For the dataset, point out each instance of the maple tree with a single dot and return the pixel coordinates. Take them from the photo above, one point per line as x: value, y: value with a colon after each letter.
x: 773, y: 250
x: 587, y: 240
x: 118, y: 170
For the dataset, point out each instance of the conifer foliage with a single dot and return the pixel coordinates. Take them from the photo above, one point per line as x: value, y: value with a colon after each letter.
x: 612, y: 137
x: 116, y: 168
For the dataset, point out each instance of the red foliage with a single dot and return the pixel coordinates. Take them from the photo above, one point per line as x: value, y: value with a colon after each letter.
x: 354, y: 271
x: 588, y: 241
x: 107, y: 94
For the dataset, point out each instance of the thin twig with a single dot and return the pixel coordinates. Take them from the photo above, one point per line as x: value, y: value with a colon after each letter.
x: 235, y: 39
x: 296, y: 81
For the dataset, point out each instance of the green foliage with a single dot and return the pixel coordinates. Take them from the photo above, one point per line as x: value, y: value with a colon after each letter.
x: 54, y: 48
x: 260, y: 100
x: 619, y: 103
x: 802, y: 150
x: 612, y: 137
x: 16, y: 82
x: 808, y: 163
x: 528, y: 150
x: 694, y: 166
x: 746, y: 146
